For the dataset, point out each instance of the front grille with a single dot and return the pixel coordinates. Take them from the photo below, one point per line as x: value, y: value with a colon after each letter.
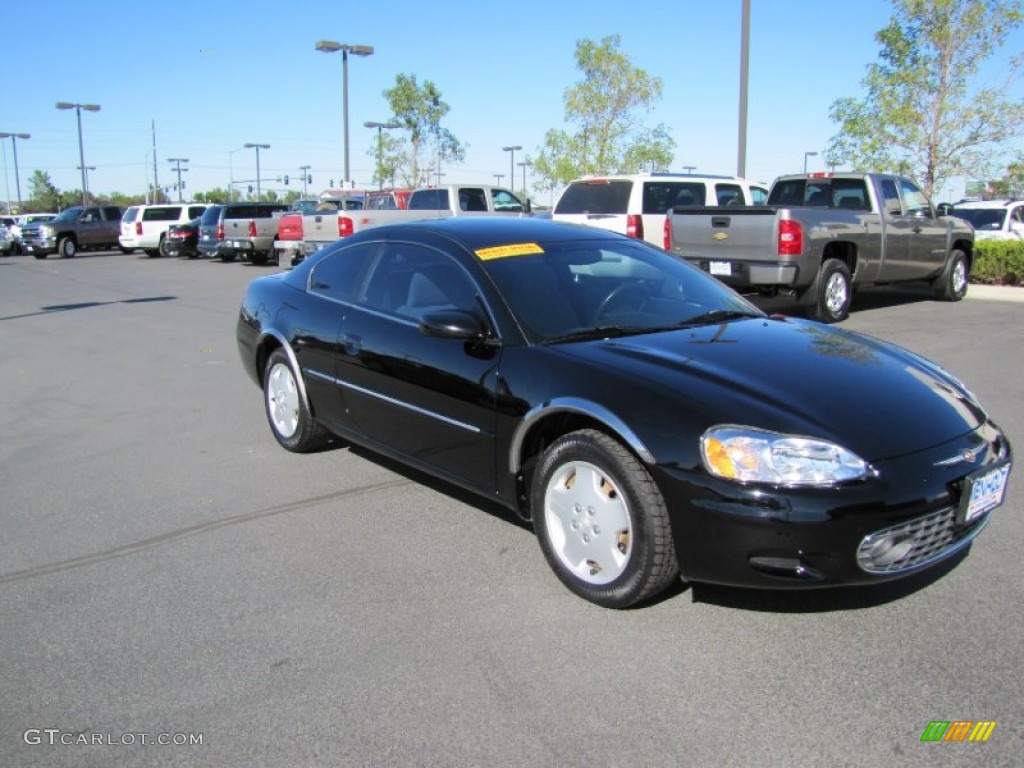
x: 917, y: 542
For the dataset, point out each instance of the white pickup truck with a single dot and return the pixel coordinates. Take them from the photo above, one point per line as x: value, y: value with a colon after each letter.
x: 321, y: 228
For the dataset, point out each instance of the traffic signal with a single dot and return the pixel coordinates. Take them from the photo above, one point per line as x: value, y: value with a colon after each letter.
x: 286, y: 179
x: 309, y: 179
x: 250, y: 189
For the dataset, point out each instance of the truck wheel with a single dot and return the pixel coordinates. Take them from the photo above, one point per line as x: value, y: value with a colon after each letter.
x: 39, y: 255
x: 227, y: 257
x: 126, y: 251
x: 258, y: 258
x: 951, y: 285
x: 833, y: 293
x: 67, y: 248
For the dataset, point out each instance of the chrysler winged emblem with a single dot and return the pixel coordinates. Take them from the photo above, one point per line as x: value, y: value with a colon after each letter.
x: 967, y: 455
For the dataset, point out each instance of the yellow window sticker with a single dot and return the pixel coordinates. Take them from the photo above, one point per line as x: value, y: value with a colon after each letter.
x: 501, y: 251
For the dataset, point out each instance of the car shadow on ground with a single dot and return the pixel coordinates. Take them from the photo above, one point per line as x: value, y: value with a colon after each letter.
x: 864, y: 300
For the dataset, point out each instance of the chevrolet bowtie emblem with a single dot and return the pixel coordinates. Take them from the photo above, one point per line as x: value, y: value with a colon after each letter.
x: 719, y: 236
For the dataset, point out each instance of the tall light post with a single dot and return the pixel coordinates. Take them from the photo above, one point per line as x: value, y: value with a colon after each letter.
x: 85, y: 172
x: 179, y: 169
x: 81, y: 149
x: 329, y: 46
x: 523, y: 166
x: 257, y: 147
x: 14, y: 144
x: 380, y: 146
x: 499, y: 177
x: 807, y: 155
x: 689, y: 168
x: 305, y: 179
x: 511, y: 163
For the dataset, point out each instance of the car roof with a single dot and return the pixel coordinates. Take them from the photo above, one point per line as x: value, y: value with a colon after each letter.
x: 988, y: 203
x: 658, y: 176
x: 475, y: 232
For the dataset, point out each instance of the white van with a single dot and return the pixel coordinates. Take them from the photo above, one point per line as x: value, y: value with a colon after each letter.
x: 144, y: 226
x: 635, y: 204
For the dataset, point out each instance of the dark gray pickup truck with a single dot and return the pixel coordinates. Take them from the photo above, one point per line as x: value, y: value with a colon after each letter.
x: 74, y: 229
x: 820, y: 235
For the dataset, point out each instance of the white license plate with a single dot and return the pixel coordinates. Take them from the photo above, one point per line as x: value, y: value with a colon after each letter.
x: 720, y: 268
x: 984, y: 492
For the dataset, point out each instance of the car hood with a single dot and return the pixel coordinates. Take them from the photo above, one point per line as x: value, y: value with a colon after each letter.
x: 798, y: 377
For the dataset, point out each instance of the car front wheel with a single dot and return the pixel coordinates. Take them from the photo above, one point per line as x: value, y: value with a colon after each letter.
x: 289, y: 419
x: 601, y: 521
x: 67, y: 248
x: 952, y: 284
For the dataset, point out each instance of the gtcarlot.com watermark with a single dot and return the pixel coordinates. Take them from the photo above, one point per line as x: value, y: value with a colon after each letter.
x: 55, y: 737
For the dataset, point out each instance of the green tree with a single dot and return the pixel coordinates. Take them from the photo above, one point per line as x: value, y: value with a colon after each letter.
x: 923, y: 113
x: 215, y: 195
x: 388, y: 159
x: 42, y: 194
x: 419, y: 109
x: 606, y: 107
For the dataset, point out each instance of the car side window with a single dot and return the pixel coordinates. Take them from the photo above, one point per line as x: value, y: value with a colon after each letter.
x: 758, y: 195
x: 409, y: 280
x: 891, y: 197
x: 505, y: 201
x: 728, y: 194
x: 339, y: 275
x: 916, y: 202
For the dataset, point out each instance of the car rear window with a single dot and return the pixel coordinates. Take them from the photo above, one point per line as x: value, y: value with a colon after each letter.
x: 162, y: 213
x: 211, y: 215
x: 659, y: 196
x: 596, y: 196
x: 195, y: 211
x: 130, y: 214
x: 429, y: 200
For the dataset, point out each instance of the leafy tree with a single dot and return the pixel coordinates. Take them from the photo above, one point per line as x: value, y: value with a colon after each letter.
x: 922, y: 113
x: 419, y: 109
x: 606, y: 106
x: 388, y: 159
x: 123, y: 201
x: 42, y: 194
x: 215, y: 195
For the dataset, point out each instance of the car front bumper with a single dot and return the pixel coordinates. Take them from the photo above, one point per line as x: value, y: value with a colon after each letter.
x: 904, y: 519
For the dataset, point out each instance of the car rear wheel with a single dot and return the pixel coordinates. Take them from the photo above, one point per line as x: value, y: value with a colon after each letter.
x: 289, y: 419
x: 67, y: 248
x: 227, y: 257
x: 833, y: 292
x: 127, y: 251
x: 601, y: 521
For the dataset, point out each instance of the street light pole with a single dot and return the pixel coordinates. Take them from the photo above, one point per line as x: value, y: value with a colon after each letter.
x: 499, y: 177
x: 305, y: 179
x: 329, y: 46
x: 81, y: 148
x: 511, y: 163
x: 523, y: 166
x: 380, y: 146
x: 257, y: 147
x: 179, y: 169
x: 14, y: 144
x: 806, y: 155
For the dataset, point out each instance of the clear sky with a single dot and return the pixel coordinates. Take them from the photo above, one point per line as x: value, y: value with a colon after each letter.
x: 214, y: 75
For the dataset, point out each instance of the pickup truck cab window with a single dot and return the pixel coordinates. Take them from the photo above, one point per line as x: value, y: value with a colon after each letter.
x: 914, y: 199
x: 891, y: 197
x: 503, y: 200
x: 429, y: 200
x: 729, y: 194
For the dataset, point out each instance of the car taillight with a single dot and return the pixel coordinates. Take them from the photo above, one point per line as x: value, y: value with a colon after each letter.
x: 220, y: 230
x: 667, y: 235
x: 791, y: 238
x: 138, y: 228
x: 252, y: 227
x: 635, y: 226
x: 345, y: 227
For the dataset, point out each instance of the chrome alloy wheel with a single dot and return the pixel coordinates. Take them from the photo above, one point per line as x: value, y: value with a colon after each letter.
x: 836, y: 293
x: 283, y: 400
x: 588, y: 522
x: 959, y: 278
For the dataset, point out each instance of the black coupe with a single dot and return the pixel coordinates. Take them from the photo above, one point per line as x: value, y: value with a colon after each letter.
x: 652, y: 423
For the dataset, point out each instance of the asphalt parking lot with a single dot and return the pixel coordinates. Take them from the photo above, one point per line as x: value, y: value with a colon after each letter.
x: 166, y: 569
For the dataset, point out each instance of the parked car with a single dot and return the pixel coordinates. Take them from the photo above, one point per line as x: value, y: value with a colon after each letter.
x: 6, y: 240
x: 147, y: 225
x: 993, y: 219
x: 73, y: 229
x: 650, y: 421
x: 246, y: 230
x: 24, y: 219
x: 635, y: 204
x: 183, y: 239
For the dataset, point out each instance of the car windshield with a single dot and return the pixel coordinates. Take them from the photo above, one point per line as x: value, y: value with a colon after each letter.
x: 68, y: 214
x: 990, y: 219
x: 564, y: 291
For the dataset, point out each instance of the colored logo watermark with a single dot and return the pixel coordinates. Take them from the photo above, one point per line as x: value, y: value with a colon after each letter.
x: 958, y: 730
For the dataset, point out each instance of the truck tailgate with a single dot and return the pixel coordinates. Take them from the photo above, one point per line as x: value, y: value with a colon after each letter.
x: 742, y: 233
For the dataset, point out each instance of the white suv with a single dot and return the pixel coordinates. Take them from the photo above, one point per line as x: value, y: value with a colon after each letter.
x: 635, y: 204
x: 144, y: 226
x: 993, y: 219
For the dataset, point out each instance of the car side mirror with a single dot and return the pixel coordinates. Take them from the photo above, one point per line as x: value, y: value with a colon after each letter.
x: 453, y: 324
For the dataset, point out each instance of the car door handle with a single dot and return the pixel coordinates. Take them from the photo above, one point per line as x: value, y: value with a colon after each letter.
x: 917, y: 230
x: 352, y: 344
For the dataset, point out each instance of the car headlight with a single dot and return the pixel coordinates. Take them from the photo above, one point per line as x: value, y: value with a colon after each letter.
x: 751, y: 455
x: 46, y: 231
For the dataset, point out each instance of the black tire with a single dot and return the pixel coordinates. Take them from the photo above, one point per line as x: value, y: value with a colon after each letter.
x: 67, y: 247
x: 39, y: 255
x: 833, y: 293
x: 617, y: 554
x: 227, y: 257
x: 162, y: 248
x: 289, y: 420
x: 952, y: 284
x: 258, y: 258
x: 127, y: 251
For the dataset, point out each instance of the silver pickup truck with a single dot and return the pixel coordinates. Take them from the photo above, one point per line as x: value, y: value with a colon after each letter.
x: 821, y: 235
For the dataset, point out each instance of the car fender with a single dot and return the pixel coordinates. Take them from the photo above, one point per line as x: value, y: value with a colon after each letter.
x: 574, y: 405
x: 263, y: 344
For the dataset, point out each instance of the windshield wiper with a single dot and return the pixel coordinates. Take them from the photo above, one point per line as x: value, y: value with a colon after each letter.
x: 599, y: 332
x: 715, y: 316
